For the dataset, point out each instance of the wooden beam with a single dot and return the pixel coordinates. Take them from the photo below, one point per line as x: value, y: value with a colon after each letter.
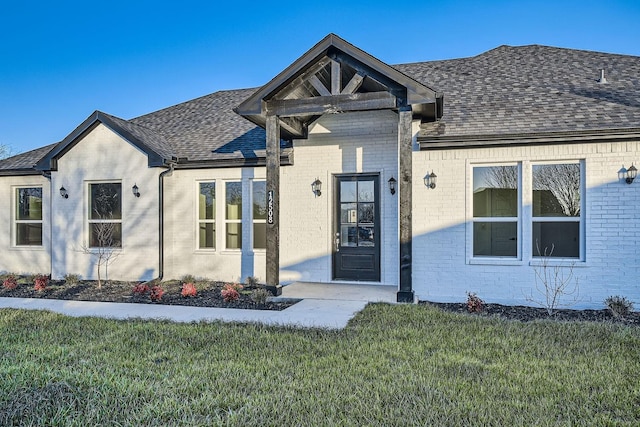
x: 405, y: 142
x: 319, y: 86
x: 294, y: 126
x: 273, y: 205
x: 331, y: 104
x: 293, y: 84
x: 336, y: 78
x: 354, y: 84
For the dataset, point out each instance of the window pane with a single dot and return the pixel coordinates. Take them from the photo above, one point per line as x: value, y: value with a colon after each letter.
x: 556, y: 239
x: 29, y: 234
x: 365, y: 191
x: 495, y: 239
x: 260, y: 235
x: 207, y: 201
x: 365, y: 213
x: 365, y: 236
x: 495, y: 191
x: 207, y: 235
x: 105, y: 201
x: 348, y: 236
x: 348, y: 191
x: 348, y: 213
x: 234, y: 235
x: 259, y: 200
x: 556, y: 190
x: 234, y: 200
x: 29, y: 204
x: 105, y: 235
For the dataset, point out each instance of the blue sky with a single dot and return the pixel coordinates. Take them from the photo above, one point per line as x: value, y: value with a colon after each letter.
x: 60, y: 61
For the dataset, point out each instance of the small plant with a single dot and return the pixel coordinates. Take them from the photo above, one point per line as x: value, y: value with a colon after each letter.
x: 188, y: 290
x: 259, y: 296
x: 141, y: 289
x: 71, y: 279
x: 188, y: 278
x: 251, y: 281
x: 555, y: 283
x: 10, y: 282
x: 156, y: 293
x: 231, y: 292
x: 40, y: 282
x: 474, y: 303
x: 619, y: 306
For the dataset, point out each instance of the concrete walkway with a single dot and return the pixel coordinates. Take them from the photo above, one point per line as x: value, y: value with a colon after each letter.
x: 329, y: 306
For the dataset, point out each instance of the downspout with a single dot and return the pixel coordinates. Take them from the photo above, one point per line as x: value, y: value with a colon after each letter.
x: 47, y: 175
x: 168, y: 172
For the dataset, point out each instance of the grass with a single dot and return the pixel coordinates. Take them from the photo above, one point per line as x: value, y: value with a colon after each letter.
x: 393, y: 365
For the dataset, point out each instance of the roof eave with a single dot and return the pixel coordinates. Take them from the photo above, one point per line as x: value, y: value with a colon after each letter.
x: 503, y: 140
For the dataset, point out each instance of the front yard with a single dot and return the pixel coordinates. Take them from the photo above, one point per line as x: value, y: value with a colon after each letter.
x: 393, y: 365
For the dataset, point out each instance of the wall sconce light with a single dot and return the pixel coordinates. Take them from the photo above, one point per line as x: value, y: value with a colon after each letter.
x: 430, y: 180
x: 135, y: 190
x: 630, y: 174
x: 392, y: 185
x: 316, y: 187
x: 63, y: 193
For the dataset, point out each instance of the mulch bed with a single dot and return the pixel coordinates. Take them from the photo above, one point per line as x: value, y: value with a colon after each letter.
x: 528, y: 314
x: 208, y: 294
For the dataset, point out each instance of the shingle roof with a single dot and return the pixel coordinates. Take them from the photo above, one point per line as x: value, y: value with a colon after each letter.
x: 25, y: 162
x: 532, y: 89
x: 526, y: 90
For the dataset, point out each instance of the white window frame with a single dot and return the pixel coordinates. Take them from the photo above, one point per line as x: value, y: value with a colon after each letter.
x: 17, y: 222
x: 91, y: 221
x: 480, y: 259
x: 535, y: 257
x: 228, y: 221
x: 213, y: 221
x: 254, y: 220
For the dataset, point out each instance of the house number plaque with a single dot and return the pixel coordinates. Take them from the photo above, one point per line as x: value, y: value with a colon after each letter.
x: 270, y: 207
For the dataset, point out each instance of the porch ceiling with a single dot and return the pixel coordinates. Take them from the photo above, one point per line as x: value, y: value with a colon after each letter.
x: 335, y: 77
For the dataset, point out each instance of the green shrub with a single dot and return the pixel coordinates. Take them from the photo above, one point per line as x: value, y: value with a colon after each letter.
x: 252, y: 281
x: 260, y: 295
x: 188, y: 278
x: 71, y: 279
x: 619, y: 306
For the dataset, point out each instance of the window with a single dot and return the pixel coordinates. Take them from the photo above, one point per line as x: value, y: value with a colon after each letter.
x: 29, y: 216
x: 105, y: 215
x: 259, y: 193
x: 495, y: 211
x: 556, y: 210
x: 207, y: 215
x: 233, y: 215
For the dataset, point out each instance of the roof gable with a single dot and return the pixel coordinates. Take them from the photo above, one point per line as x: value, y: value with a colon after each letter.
x: 335, y: 76
x: 157, y: 149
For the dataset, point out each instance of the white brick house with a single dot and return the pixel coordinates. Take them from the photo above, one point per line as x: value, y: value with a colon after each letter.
x: 530, y: 145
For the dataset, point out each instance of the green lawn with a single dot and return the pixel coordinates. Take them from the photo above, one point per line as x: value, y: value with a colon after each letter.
x: 393, y: 365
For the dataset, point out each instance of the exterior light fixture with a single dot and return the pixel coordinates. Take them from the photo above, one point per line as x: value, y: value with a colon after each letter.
x: 392, y: 185
x: 631, y: 174
x: 135, y: 190
x: 316, y: 187
x: 63, y: 192
x: 430, y: 180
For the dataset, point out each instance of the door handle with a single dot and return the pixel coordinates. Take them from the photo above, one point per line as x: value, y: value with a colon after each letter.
x: 337, y: 242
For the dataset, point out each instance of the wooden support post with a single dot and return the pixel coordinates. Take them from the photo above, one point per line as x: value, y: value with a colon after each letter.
x: 405, y: 291
x: 273, y: 205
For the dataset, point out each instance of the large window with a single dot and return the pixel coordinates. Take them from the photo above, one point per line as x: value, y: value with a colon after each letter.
x: 105, y: 215
x: 259, y: 196
x: 207, y: 215
x: 495, y: 211
x: 233, y: 215
x: 556, y: 210
x: 28, y: 219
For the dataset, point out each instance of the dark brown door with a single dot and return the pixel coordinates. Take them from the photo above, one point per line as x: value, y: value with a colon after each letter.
x: 356, y: 247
